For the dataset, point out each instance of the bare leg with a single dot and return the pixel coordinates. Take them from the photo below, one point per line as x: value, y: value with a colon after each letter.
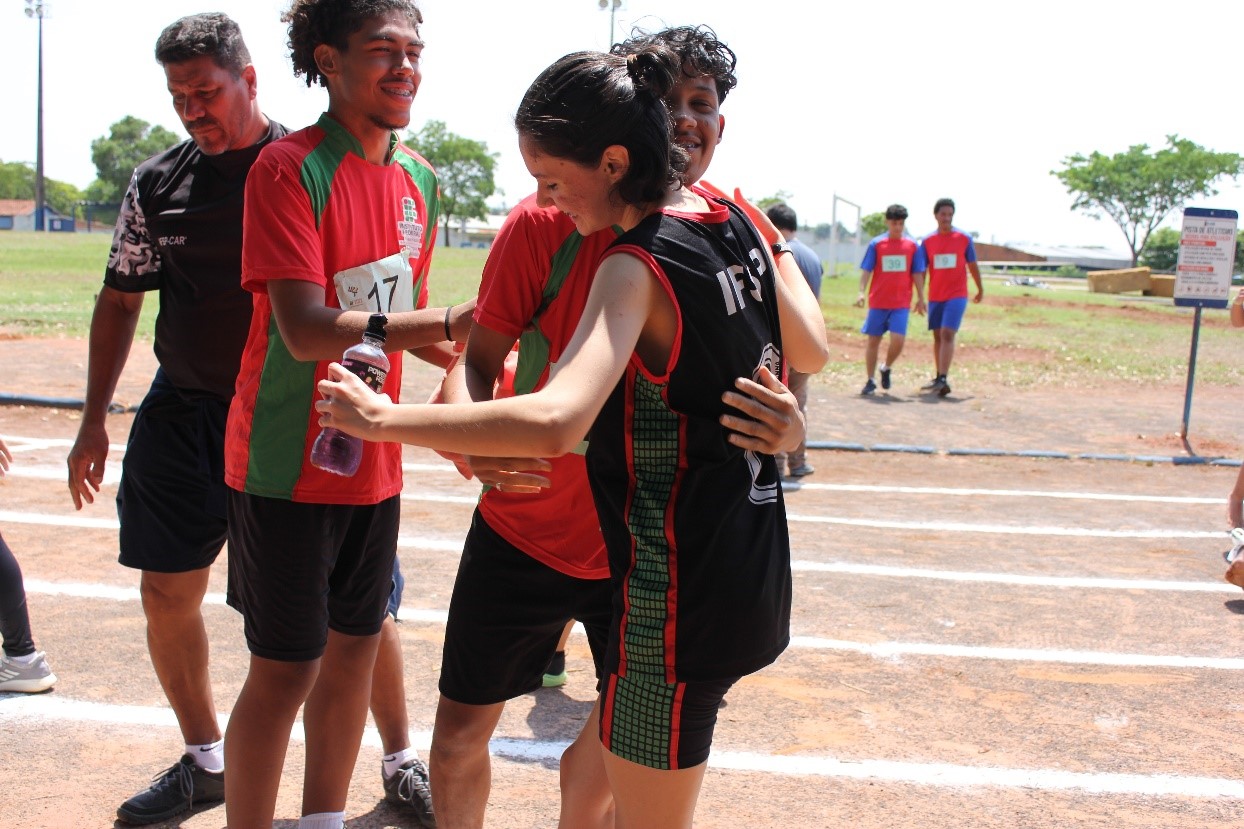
x: 388, y: 691
x: 335, y: 715
x: 460, y: 766
x: 894, y: 349
x: 870, y: 354
x: 937, y: 352
x: 587, y: 802
x: 650, y: 798
x: 258, y: 735
x: 946, y: 350
x: 565, y: 637
x: 177, y: 640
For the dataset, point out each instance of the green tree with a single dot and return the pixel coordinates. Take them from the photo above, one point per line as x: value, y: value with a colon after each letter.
x: 17, y: 181
x: 1137, y: 189
x: 129, y: 142
x: 464, y: 168
x: 780, y: 197
x: 873, y: 225
x: 1161, y: 250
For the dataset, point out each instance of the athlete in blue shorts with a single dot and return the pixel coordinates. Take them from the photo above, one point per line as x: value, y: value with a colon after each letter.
x: 892, y: 266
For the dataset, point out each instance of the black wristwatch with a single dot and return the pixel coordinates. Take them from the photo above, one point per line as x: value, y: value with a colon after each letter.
x: 779, y: 248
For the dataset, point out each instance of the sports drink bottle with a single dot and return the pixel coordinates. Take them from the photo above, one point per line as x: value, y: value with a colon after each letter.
x: 334, y: 451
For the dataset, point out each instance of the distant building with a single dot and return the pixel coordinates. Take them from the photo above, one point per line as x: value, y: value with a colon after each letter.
x: 470, y: 233
x: 1022, y: 255
x: 19, y: 214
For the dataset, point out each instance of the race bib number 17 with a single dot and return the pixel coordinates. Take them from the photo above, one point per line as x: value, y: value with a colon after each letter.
x: 385, y: 286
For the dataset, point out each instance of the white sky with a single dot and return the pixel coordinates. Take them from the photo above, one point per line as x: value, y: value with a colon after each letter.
x: 901, y: 101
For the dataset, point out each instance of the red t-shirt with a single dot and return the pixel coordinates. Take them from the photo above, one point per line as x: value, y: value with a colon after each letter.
x: 948, y: 255
x: 316, y: 210
x: 891, y: 262
x: 536, y: 249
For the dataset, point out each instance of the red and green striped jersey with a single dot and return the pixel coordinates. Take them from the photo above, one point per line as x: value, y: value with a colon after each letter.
x: 535, y: 284
x: 318, y: 211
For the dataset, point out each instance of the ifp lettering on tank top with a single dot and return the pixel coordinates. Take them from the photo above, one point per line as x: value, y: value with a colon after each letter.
x: 738, y: 280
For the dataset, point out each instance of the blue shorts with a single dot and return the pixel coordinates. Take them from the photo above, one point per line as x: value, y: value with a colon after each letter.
x: 395, y: 594
x: 947, y: 314
x: 881, y: 320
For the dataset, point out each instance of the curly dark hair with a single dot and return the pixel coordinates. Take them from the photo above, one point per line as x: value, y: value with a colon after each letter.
x: 312, y: 22
x: 896, y: 211
x: 213, y: 34
x: 588, y: 101
x: 698, y: 47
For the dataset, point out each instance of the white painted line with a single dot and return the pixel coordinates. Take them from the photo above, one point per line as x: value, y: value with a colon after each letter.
x: 8, y: 517
x: 23, y: 710
x: 18, y: 443
x: 1005, y: 578
x: 882, y: 650
x: 43, y: 472
x: 959, y: 527
x: 1008, y: 493
x: 921, y: 526
x: 891, y: 650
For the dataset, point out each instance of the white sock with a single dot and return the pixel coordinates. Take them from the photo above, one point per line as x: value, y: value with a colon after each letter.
x: 885, y: 368
x: 210, y: 757
x: 395, y: 761
x: 323, y: 820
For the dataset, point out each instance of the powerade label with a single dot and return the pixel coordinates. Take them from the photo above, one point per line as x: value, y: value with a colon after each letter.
x: 373, y: 376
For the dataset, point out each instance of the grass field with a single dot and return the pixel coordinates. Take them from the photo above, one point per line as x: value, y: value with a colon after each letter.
x: 1018, y: 336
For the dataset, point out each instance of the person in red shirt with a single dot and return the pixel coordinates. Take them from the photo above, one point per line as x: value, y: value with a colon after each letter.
x: 892, y: 266
x: 951, y: 256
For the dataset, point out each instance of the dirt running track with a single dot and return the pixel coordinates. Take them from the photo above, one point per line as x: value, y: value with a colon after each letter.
x: 980, y: 641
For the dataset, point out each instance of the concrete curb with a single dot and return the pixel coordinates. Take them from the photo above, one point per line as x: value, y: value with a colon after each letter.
x: 1175, y: 460
x: 57, y: 403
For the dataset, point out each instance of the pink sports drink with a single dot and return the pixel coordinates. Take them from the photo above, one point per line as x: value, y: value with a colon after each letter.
x: 334, y: 451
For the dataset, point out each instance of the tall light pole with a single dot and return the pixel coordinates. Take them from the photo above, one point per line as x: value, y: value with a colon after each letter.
x: 39, y: 9
x: 612, y: 5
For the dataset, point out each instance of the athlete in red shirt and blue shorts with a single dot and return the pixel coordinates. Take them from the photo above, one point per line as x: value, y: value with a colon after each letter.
x: 892, y: 266
x: 951, y: 256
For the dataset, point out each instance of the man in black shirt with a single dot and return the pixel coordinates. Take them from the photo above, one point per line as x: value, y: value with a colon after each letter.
x: 180, y: 233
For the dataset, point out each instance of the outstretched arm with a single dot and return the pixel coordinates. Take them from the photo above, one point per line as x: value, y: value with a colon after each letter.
x: 546, y: 423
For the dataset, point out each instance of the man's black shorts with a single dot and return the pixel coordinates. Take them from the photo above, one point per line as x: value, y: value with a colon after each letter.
x: 296, y: 570
x: 171, y: 501
x: 505, y: 616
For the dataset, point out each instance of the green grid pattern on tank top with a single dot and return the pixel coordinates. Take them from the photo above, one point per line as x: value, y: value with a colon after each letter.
x: 655, y: 453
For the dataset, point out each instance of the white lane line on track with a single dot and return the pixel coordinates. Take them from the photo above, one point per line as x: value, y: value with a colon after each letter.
x: 891, y: 650
x: 117, y: 450
x: 880, y: 650
x: 1008, y: 493
x: 1004, y: 578
x: 23, y: 710
x: 921, y: 526
x: 1003, y: 529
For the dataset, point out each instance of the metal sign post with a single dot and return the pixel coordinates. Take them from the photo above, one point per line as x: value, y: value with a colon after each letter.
x: 1203, y: 275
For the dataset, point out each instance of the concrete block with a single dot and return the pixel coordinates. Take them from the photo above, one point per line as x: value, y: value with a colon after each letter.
x: 1161, y: 284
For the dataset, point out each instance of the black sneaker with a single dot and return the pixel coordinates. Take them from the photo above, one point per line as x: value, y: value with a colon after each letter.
x: 555, y: 673
x: 173, y: 791
x: 932, y: 384
x: 409, y: 786
x: 885, y: 378
x: 943, y: 389
x: 869, y: 387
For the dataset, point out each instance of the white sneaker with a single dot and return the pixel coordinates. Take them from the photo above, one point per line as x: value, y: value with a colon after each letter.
x: 26, y: 679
